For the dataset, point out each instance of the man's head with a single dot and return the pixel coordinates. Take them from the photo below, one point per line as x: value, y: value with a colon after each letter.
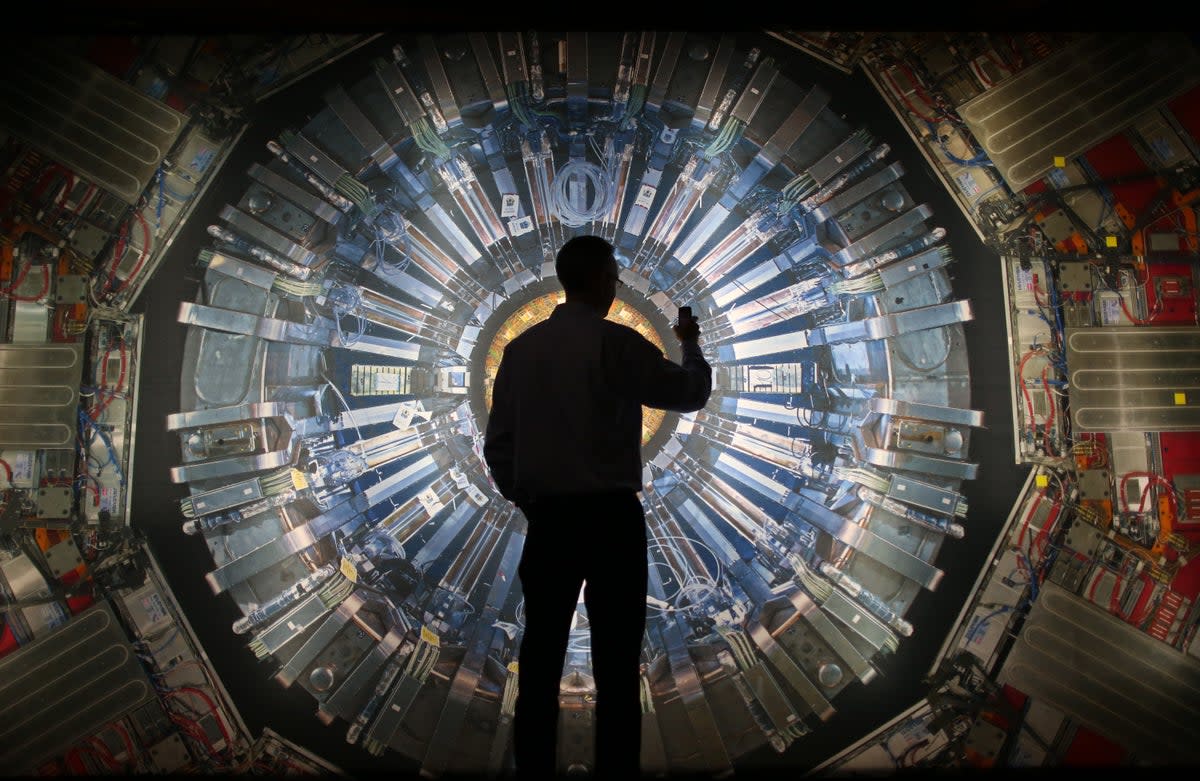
x: 588, y: 271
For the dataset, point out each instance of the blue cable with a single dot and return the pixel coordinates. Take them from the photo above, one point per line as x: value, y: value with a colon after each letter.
x: 112, y: 452
x: 174, y: 195
x: 983, y: 622
x: 161, y: 200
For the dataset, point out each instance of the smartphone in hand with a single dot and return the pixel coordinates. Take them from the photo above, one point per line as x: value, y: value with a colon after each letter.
x: 685, y: 314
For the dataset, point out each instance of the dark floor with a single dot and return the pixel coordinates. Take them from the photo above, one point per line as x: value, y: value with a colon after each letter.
x: 290, y: 712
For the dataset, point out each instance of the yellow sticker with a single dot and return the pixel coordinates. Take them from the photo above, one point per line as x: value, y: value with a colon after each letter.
x: 1060, y: 161
x: 1110, y: 241
x: 347, y: 568
x: 428, y: 636
x: 299, y: 481
x: 514, y: 667
x: 1181, y: 398
x: 1041, y: 481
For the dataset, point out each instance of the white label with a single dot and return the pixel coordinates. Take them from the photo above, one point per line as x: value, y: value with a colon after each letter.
x: 967, y: 184
x: 645, y: 196
x: 509, y: 204
x: 110, y: 498
x: 429, y: 500
x: 404, y: 416
x: 388, y: 382
x: 1110, y: 310
x: 21, y: 464
x: 520, y: 225
x: 156, y: 609
x: 477, y: 496
x: 409, y: 411
x: 1024, y: 278
x: 459, y: 478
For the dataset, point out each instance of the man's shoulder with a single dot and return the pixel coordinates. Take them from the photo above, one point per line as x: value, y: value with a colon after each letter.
x: 530, y: 334
x: 622, y: 331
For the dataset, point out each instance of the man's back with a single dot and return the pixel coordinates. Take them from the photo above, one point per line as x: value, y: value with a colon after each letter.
x: 571, y: 388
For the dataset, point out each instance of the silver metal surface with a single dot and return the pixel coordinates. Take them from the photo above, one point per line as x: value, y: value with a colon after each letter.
x: 39, y: 395
x: 865, y: 541
x: 264, y: 235
x: 794, y: 126
x: 107, y: 131
x: 1124, y: 684
x: 813, y: 614
x: 888, y: 232
x: 1134, y: 379
x: 886, y: 326
x: 293, y: 666
x: 67, y: 685
x: 293, y: 192
x: 858, y: 192
x: 916, y: 409
x: 1076, y: 98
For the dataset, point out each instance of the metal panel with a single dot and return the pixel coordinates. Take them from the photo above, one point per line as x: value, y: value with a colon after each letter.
x: 1077, y: 98
x: 88, y: 120
x: 1104, y: 673
x: 65, y: 686
x: 39, y: 394
x: 1134, y: 379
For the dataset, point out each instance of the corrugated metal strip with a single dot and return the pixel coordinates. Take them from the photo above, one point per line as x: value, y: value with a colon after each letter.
x: 88, y: 120
x: 1073, y: 100
x: 67, y: 685
x: 39, y: 394
x: 1121, y: 682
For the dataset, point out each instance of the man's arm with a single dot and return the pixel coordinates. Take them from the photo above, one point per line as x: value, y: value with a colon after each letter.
x: 498, y: 439
x: 663, y: 384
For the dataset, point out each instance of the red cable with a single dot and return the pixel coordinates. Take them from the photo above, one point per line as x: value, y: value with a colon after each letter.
x: 1050, y: 419
x: 1114, y: 603
x: 21, y: 278
x: 145, y: 253
x: 99, y: 408
x: 1036, y: 503
x: 900, y: 94
x: 118, y: 254
x: 212, y: 706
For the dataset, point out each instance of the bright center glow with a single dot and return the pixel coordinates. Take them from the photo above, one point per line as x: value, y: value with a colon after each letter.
x: 538, y: 310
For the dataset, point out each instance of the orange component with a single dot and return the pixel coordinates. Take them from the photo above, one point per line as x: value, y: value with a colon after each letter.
x: 47, y: 539
x: 1125, y: 215
x: 1166, y: 524
x: 1189, y: 216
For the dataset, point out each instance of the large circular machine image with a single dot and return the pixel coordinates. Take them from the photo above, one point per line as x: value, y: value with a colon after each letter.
x: 354, y: 305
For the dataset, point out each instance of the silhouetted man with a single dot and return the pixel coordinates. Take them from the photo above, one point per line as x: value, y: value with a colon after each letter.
x: 564, y: 443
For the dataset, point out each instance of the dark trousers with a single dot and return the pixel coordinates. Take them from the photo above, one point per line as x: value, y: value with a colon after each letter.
x: 600, y: 539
